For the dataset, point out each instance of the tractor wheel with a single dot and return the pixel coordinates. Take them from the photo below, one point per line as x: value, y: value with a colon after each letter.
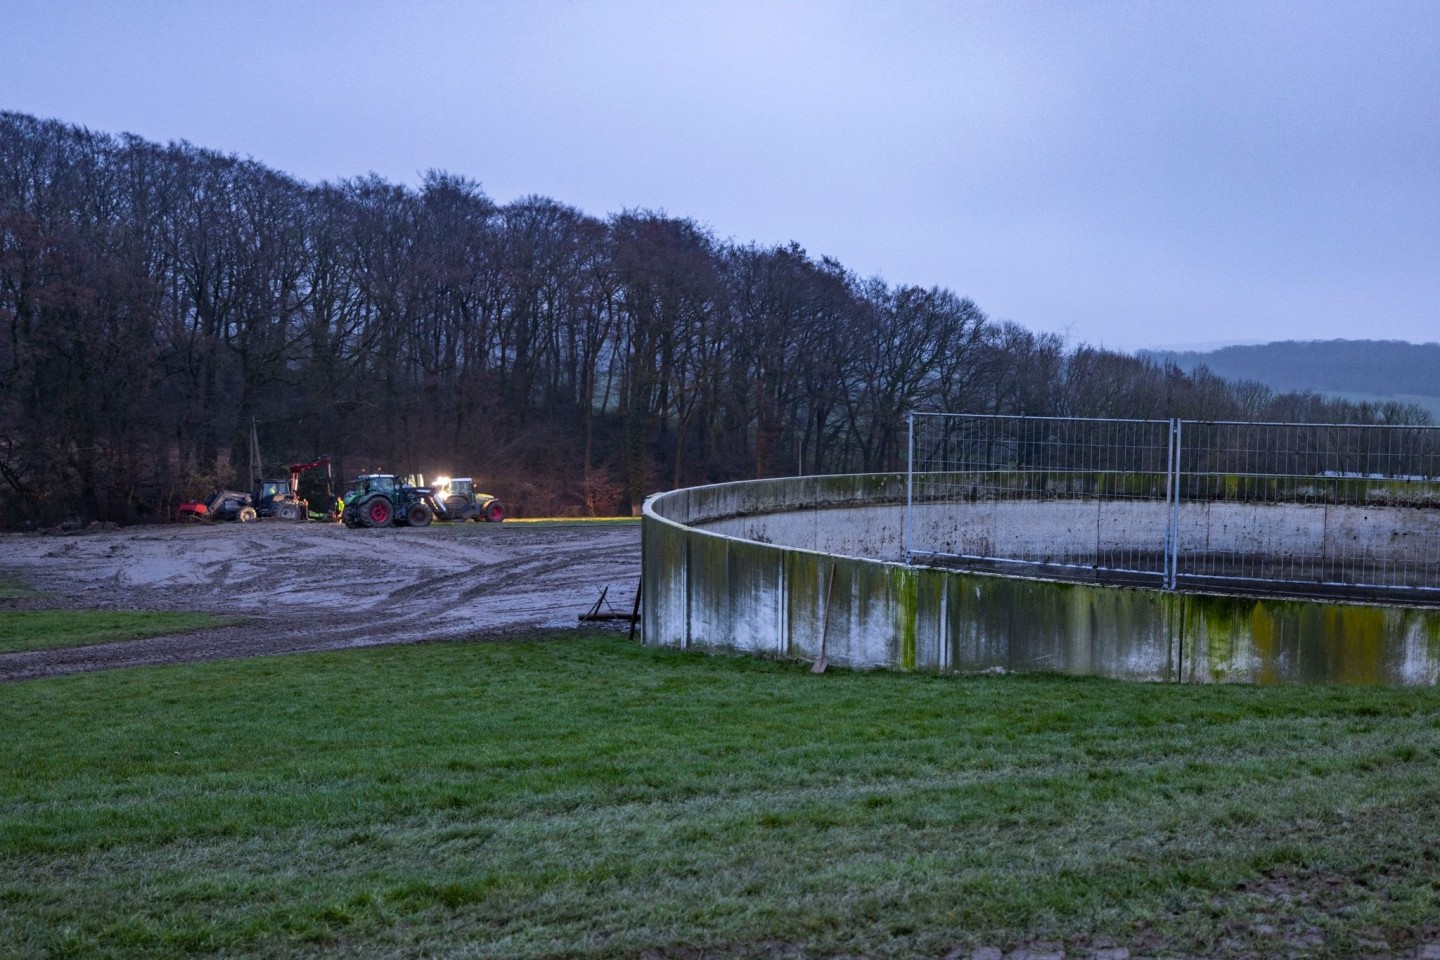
x: 494, y: 511
x: 457, y: 508
x: 376, y: 512
x: 288, y: 511
x: 246, y: 514
x: 418, y: 515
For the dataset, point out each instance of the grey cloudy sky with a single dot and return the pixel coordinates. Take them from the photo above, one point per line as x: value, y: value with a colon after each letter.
x: 1130, y: 174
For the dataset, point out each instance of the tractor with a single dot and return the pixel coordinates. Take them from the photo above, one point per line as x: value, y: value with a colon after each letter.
x: 267, y: 498
x: 455, y: 498
x: 281, y: 498
x: 277, y: 498
x: 382, y: 500
x: 222, y: 504
x: 270, y: 498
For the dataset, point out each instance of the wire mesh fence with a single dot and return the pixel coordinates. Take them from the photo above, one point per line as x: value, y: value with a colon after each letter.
x: 1299, y: 507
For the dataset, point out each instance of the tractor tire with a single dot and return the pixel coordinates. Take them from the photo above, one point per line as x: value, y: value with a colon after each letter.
x: 289, y: 511
x: 457, y: 508
x: 376, y: 512
x: 246, y: 514
x: 418, y: 515
x: 494, y: 511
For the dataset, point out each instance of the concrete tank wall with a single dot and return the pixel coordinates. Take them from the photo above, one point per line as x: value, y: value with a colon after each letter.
x: 830, y: 569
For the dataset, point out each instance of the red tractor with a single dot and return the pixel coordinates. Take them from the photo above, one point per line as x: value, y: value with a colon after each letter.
x: 222, y: 504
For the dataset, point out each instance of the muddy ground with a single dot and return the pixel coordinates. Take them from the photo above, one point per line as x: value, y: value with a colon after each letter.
x: 317, y: 586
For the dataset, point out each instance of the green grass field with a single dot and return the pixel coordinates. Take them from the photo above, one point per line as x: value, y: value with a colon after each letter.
x: 583, y: 797
x: 52, y: 629
x: 12, y: 589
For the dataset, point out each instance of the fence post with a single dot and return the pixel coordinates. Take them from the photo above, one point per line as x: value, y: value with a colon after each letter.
x: 905, y: 531
x: 1172, y: 502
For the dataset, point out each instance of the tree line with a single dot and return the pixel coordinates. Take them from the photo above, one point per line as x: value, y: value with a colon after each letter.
x: 156, y: 300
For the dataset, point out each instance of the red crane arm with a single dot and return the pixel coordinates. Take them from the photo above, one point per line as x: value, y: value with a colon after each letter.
x: 298, y: 468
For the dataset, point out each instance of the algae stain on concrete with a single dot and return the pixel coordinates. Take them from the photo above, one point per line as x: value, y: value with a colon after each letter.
x: 904, y: 588
x: 1267, y: 642
x: 1279, y: 641
x: 805, y: 602
x: 1431, y: 628
x: 1352, y: 645
x: 1212, y: 638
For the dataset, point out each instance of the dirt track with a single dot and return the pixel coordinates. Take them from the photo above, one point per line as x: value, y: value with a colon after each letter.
x: 316, y: 586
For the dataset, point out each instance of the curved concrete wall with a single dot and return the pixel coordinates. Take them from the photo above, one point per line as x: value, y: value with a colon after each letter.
x: 776, y: 567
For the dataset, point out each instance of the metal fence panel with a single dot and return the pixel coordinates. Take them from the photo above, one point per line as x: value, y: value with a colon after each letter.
x: 1071, y: 494
x: 1297, y: 506
x: 1301, y: 504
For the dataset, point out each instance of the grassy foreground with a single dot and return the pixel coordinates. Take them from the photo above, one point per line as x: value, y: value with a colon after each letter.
x: 585, y: 797
x: 53, y: 629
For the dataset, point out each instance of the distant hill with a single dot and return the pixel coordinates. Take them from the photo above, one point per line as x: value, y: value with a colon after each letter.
x: 1369, y: 368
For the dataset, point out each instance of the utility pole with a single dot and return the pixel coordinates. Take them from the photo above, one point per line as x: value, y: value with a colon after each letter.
x: 255, y: 465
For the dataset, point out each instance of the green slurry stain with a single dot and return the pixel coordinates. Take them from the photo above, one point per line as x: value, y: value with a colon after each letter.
x: 1276, y: 640
x: 905, y: 589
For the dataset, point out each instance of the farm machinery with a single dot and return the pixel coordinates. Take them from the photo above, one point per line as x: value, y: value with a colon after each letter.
x: 331, y: 511
x: 222, y: 504
x: 457, y: 499
x: 269, y: 498
x: 383, y: 499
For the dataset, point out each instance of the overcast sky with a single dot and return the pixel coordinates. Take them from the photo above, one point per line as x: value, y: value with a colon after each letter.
x: 1127, y: 174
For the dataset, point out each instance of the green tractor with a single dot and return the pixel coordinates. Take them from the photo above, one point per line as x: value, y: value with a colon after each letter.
x: 382, y: 500
x: 455, y: 498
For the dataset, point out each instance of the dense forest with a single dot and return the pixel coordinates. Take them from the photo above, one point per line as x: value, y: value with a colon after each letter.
x: 155, y: 300
x: 1383, y: 367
